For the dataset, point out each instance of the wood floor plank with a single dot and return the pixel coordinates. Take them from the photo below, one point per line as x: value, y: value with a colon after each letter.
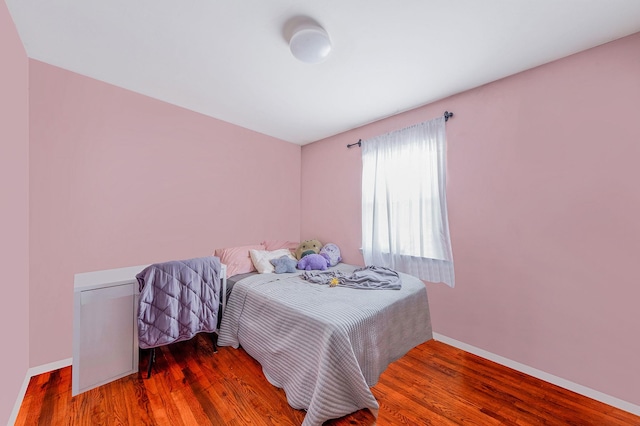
x: 135, y: 396
x: 35, y: 394
x: 198, y: 384
x: 434, y: 384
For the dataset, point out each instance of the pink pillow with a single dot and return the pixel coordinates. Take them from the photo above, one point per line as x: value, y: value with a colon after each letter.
x: 280, y: 244
x: 237, y: 259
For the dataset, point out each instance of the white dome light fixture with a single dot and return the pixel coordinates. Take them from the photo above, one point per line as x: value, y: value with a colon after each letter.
x: 310, y: 43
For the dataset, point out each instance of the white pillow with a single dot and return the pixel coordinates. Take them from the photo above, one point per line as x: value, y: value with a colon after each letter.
x: 261, y: 259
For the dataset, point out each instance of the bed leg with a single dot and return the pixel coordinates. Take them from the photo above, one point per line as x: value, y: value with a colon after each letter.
x: 152, y: 359
x: 214, y: 339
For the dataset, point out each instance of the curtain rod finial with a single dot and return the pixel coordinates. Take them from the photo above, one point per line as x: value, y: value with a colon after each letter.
x: 447, y: 115
x: 359, y: 143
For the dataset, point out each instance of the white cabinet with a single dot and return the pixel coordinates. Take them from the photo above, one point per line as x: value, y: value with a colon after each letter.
x: 105, y: 333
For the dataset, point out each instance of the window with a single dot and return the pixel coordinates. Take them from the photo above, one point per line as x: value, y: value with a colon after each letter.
x: 404, y: 212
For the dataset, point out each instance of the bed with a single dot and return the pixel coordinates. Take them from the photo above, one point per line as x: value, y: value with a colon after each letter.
x: 325, y: 346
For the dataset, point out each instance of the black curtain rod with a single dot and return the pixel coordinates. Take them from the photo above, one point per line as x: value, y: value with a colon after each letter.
x: 359, y: 143
x: 447, y: 116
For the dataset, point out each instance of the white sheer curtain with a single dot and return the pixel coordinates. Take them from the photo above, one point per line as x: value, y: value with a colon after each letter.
x: 404, y: 204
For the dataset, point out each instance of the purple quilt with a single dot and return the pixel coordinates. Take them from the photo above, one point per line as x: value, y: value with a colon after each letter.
x: 178, y: 299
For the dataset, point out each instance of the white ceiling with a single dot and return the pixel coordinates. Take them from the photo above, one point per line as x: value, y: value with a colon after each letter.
x: 230, y: 59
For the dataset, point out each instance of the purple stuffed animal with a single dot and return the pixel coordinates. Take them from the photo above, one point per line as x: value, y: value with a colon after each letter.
x: 314, y: 261
x: 333, y: 253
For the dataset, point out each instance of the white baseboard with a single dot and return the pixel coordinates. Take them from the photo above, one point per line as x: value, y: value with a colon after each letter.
x: 16, y: 406
x: 539, y: 374
x: 34, y: 371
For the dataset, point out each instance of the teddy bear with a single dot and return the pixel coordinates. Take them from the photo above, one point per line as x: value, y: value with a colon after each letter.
x: 308, y: 247
x: 314, y: 261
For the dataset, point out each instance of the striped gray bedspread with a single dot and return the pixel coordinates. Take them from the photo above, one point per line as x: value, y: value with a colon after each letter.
x: 325, y: 346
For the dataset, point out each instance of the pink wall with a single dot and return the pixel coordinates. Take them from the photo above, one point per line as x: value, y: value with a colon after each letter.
x: 119, y: 179
x: 544, y: 212
x: 14, y: 223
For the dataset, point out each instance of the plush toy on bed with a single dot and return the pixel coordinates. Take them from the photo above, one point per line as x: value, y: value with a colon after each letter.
x: 314, y: 261
x: 308, y: 247
x: 333, y: 253
x: 284, y: 264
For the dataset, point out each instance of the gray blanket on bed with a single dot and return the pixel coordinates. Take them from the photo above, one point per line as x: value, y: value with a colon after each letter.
x: 367, y: 278
x: 178, y: 299
x: 325, y: 346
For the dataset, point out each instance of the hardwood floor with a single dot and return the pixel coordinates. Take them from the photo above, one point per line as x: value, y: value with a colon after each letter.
x: 434, y: 384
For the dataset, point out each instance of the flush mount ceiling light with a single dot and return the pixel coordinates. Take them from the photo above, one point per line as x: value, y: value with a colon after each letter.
x: 310, y: 43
